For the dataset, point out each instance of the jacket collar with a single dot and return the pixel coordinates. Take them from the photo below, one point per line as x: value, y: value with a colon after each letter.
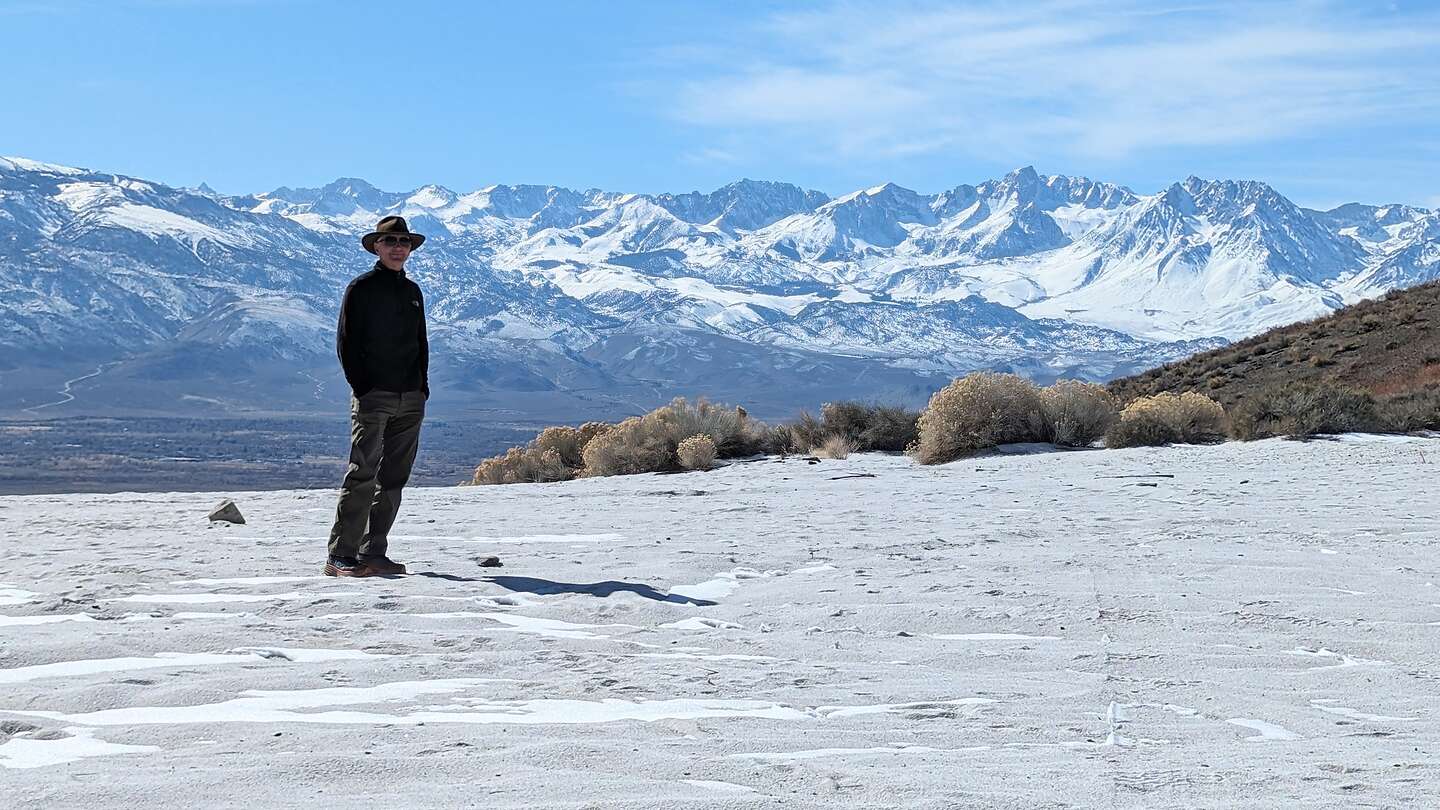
x: 383, y: 270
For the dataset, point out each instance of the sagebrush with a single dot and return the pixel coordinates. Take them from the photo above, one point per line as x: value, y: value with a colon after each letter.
x: 633, y: 446
x: 1162, y: 419
x: 569, y: 442
x: 977, y: 412
x: 834, y: 447
x: 650, y: 443
x: 864, y: 427
x: 1300, y: 410
x: 1413, y: 410
x: 696, y: 453
x: 523, y: 465
x: 1078, y: 413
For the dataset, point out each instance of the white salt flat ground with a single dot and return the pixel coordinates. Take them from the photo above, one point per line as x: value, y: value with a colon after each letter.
x: 1260, y: 630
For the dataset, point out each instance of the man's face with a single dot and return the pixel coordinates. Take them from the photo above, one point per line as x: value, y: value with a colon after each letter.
x: 393, y: 250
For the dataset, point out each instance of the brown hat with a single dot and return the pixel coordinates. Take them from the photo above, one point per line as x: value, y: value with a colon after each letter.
x: 391, y: 226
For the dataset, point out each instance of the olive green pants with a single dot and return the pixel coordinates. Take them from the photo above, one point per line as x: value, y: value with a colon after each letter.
x: 384, y: 435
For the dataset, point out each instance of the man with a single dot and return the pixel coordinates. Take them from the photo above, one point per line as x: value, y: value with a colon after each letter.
x: 386, y: 356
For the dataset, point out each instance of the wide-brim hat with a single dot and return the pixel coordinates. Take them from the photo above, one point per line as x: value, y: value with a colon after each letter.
x: 391, y: 226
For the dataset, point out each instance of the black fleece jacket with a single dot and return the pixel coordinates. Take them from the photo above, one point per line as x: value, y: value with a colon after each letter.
x: 381, y: 337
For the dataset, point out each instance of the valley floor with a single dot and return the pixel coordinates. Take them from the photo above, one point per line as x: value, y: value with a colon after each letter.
x: 1242, y: 625
x: 169, y: 454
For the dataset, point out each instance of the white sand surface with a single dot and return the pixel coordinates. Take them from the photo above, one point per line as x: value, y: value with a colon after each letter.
x: 1042, y: 630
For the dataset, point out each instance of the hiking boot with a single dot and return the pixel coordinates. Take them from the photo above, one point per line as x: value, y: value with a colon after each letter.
x: 346, y: 567
x: 381, y: 566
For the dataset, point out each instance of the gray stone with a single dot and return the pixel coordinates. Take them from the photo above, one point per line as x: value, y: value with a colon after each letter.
x: 228, y: 512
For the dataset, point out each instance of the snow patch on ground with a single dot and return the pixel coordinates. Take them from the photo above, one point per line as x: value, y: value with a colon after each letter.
x: 722, y: 787
x: 700, y: 657
x: 1324, y: 705
x: 991, y: 637
x: 249, y: 580
x: 168, y: 660
x: 208, y: 598
x: 1268, y: 731
x: 553, y: 628
x: 21, y: 751
x: 30, y: 621
x: 892, y: 708
x: 10, y: 595
x: 259, y: 706
x: 529, y: 539
x: 819, y: 753
x: 701, y: 623
x: 722, y: 585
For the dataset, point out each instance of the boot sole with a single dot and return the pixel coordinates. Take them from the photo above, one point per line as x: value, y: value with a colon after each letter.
x: 361, y: 571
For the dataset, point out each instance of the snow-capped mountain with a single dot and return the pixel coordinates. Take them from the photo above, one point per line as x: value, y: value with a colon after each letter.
x: 759, y: 291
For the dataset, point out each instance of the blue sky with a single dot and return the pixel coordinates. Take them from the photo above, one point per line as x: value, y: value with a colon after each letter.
x: 1330, y: 102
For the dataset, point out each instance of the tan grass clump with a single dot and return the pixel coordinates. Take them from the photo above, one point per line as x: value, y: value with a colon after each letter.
x: 554, y: 455
x: 569, y: 442
x: 977, y: 412
x: 727, y: 426
x: 696, y: 452
x: 834, y: 447
x: 1187, y: 418
x: 650, y: 443
x: 633, y: 446
x: 523, y: 465
x: 1078, y: 412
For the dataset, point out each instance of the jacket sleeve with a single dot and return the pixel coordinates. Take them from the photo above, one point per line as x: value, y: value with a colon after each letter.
x: 347, y: 343
x: 424, y: 348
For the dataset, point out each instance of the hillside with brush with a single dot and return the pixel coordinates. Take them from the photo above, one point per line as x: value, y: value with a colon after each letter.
x: 1388, y: 347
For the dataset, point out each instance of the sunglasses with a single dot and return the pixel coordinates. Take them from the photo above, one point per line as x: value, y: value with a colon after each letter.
x: 394, y: 240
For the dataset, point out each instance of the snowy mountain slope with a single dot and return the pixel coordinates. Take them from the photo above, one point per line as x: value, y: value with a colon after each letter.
x: 1402, y: 246
x: 744, y: 205
x: 1049, y: 275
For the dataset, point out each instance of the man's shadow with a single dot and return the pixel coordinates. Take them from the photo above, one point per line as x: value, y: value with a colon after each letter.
x: 546, y: 587
x: 447, y: 577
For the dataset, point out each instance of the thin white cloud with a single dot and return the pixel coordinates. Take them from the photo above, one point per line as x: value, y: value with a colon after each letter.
x: 1071, y: 76
x: 709, y: 156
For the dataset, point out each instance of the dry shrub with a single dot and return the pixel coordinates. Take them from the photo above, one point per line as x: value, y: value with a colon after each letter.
x: 779, y: 441
x: 650, y: 443
x: 976, y: 412
x: 734, y: 433
x: 1187, y: 418
x: 1078, y: 412
x: 554, y: 455
x: 871, y: 427
x: 696, y: 453
x: 1414, y: 410
x: 633, y: 446
x: 804, y: 433
x: 570, y: 442
x: 865, y: 427
x: 1299, y: 410
x: 754, y: 437
x: 836, y: 447
x: 523, y: 465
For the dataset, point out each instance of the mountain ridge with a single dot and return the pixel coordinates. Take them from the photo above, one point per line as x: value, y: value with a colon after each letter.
x: 1064, y: 276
